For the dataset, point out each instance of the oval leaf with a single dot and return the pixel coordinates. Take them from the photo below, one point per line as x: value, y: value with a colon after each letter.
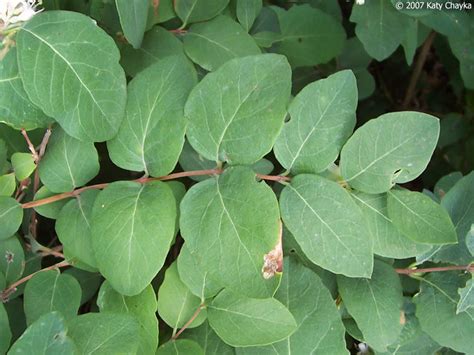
x: 23, y: 165
x: 51, y: 291
x: 227, y: 105
x: 157, y: 44
x: 68, y: 163
x: 180, y: 347
x: 142, y: 307
x: 12, y: 259
x: 11, y: 215
x: 420, y: 218
x: 380, y: 27
x: 322, y: 118
x: 176, y: 303
x: 393, y: 148
x: 375, y: 304
x: 436, y: 309
x: 73, y: 227
x: 190, y: 11
x: 388, y: 240
x: 320, y: 329
x: 5, y: 334
x: 220, y: 218
x: 47, y: 336
x: 105, y: 333
x: 211, y: 44
x: 311, y: 208
x: 192, y: 275
x: 309, y: 36
x: 242, y: 321
x: 132, y: 229
x: 151, y: 136
x: 16, y: 109
x: 70, y: 69
x: 133, y: 18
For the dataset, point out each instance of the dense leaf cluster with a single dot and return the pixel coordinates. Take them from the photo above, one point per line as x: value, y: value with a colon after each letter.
x: 233, y: 260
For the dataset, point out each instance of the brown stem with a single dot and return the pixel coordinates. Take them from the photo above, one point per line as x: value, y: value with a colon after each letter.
x: 31, y: 146
x: 174, y: 337
x: 469, y: 267
x: 420, y: 62
x: 36, y: 178
x: 74, y: 193
x: 278, y: 178
x: 12, y: 288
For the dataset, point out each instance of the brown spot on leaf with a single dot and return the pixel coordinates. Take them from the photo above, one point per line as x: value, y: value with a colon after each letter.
x: 273, y: 261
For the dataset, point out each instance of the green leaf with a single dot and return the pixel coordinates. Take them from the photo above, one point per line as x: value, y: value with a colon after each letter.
x: 458, y: 203
x: 160, y: 12
x: 151, y: 136
x: 89, y: 282
x: 190, y: 11
x: 328, y: 225
x: 420, y: 218
x: 354, y: 55
x: 105, y: 333
x: 380, y: 27
x: 11, y: 215
x: 388, y: 240
x: 466, y: 300
x: 133, y: 16
x: 322, y: 118
x: 242, y: 321
x: 157, y: 44
x: 412, y: 339
x: 50, y: 291
x: 68, y: 163
x: 142, y: 306
x: 446, y: 183
x: 220, y: 218
x: 393, y: 148
x: 47, y: 336
x: 69, y: 68
x: 49, y: 210
x: 180, y: 347
x: 375, y: 304
x: 73, y: 226
x: 225, y: 107
x: 7, y: 184
x: 211, y: 44
x: 132, y: 228
x: 247, y: 11
x: 5, y: 334
x: 436, y: 310
x: 176, y: 303
x: 462, y: 46
x: 12, y: 259
x: 192, y: 160
x: 365, y: 83
x: 319, y: 325
x: 309, y: 36
x: 23, y: 165
x: 208, y: 340
x: 16, y: 109
x: 194, y: 277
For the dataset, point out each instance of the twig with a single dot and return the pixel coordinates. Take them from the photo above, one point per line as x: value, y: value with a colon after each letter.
x: 420, y: 62
x: 12, y: 288
x: 74, y: 193
x: 469, y: 267
x: 31, y: 146
x: 278, y: 178
x: 36, y: 178
x: 174, y: 337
